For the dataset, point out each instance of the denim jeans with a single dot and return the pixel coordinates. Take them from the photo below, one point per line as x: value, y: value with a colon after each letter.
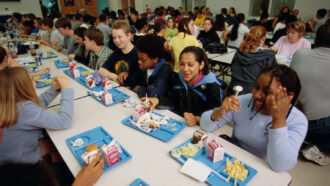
x: 319, y: 134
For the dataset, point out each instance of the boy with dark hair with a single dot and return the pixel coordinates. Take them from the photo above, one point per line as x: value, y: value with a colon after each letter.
x: 133, y: 18
x: 81, y: 54
x: 85, y: 23
x: 77, y: 22
x: 100, y: 52
x: 64, y: 28
x: 322, y: 18
x: 142, y: 29
x: 104, y: 27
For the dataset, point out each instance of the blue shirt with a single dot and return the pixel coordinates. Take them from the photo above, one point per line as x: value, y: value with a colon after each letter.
x: 20, y: 141
x: 279, y: 147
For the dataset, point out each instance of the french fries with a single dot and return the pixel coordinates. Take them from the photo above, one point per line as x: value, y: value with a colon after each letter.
x: 236, y: 170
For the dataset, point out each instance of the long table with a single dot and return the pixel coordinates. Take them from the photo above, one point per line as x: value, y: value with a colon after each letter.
x: 80, y: 91
x: 221, y: 62
x: 151, y: 160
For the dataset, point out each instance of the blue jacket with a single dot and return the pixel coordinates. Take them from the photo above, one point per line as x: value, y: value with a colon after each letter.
x: 157, y: 83
x: 205, y: 95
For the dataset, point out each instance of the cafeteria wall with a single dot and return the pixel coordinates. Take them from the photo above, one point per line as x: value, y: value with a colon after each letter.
x: 23, y: 6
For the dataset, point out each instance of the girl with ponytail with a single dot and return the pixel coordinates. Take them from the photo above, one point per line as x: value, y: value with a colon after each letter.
x: 236, y: 32
x: 250, y: 59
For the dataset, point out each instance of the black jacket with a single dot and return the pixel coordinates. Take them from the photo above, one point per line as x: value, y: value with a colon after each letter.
x: 246, y: 66
x: 157, y: 83
x: 208, y: 37
x: 197, y: 99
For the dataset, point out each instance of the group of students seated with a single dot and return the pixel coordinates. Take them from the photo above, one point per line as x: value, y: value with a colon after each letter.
x: 171, y: 69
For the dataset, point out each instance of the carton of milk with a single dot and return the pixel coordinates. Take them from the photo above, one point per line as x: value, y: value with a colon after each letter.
x: 110, y: 154
x: 215, y: 151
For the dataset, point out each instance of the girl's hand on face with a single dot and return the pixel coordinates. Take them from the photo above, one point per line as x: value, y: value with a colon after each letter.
x: 190, y: 119
x: 230, y: 103
x: 279, y: 104
x: 154, y: 102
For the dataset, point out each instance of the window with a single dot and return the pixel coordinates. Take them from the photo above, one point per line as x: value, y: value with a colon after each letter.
x: 277, y: 5
x: 255, y: 6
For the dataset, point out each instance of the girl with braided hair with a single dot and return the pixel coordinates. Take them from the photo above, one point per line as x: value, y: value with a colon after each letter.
x: 266, y: 122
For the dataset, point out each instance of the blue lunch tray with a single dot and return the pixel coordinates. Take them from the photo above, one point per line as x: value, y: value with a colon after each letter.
x: 217, y: 166
x: 82, y: 78
x: 43, y: 76
x: 48, y: 57
x: 99, y: 137
x: 138, y: 182
x: 117, y: 96
x: 60, y: 64
x: 164, y: 132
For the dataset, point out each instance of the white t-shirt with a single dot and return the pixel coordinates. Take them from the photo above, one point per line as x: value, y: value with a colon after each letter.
x: 278, y: 26
x: 242, y: 30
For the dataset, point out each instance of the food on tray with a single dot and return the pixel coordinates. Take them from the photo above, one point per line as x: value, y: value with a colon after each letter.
x: 90, y: 81
x: 48, y: 81
x: 77, y: 143
x: 147, y: 105
x: 39, y: 79
x: 66, y: 60
x: 215, y: 151
x: 236, y: 170
x: 85, y: 73
x: 188, y: 150
x: 90, y: 154
x: 198, y: 135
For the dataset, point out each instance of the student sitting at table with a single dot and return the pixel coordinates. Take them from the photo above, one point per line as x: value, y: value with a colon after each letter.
x: 193, y: 90
x: 26, y: 116
x: 37, y: 174
x: 64, y: 28
x: 236, y: 32
x: 153, y: 78
x: 4, y: 62
x: 208, y: 35
x: 52, y: 34
x: 141, y: 27
x: 182, y: 40
x: 266, y: 122
x: 281, y: 22
x: 199, y: 18
x: 104, y: 27
x: 294, y: 40
x: 93, y: 39
x: 28, y: 27
x: 122, y: 63
x: 313, y: 66
x: 250, y: 59
x: 171, y: 29
x: 321, y: 15
x: 81, y: 54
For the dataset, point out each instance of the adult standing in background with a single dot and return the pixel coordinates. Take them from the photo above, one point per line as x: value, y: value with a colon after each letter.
x: 312, y: 67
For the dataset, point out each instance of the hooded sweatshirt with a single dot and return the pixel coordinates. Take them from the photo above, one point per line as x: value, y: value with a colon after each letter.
x: 208, y: 37
x: 205, y: 95
x: 246, y: 67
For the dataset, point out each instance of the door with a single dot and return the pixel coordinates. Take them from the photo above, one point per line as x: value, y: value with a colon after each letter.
x: 69, y: 6
x: 90, y: 6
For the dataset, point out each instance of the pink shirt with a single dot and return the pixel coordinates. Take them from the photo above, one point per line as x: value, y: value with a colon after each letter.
x: 288, y: 49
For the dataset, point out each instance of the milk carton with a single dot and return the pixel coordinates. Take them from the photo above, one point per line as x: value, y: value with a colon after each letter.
x: 215, y: 151
x: 110, y: 154
x: 90, y: 81
x: 138, y: 112
x: 107, y: 97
